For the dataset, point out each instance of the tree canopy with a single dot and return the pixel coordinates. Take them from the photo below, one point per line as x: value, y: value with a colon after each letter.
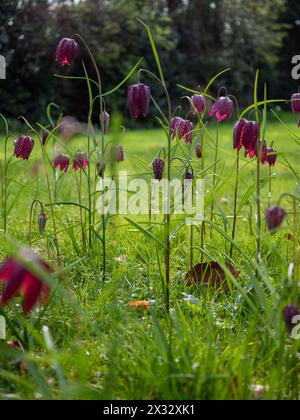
x: 196, y: 39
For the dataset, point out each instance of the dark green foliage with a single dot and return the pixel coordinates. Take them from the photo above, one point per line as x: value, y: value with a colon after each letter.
x: 195, y: 39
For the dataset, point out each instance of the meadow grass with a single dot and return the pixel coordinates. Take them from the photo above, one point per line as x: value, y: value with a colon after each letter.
x: 215, y: 345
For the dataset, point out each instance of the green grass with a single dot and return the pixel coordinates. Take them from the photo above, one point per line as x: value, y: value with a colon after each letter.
x: 219, y: 348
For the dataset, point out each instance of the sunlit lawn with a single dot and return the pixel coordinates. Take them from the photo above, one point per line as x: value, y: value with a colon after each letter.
x: 220, y: 347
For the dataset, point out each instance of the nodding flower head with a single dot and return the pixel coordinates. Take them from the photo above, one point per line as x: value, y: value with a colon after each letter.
x: 80, y: 161
x: 269, y: 156
x: 222, y: 109
x: 21, y: 280
x: 139, y: 97
x: 66, y: 52
x: 188, y: 175
x: 105, y: 121
x: 198, y: 150
x: 275, y: 217
x: 23, y: 147
x: 246, y: 133
x: 198, y: 104
x: 295, y: 101
x: 61, y: 162
x: 158, y: 169
x: 290, y: 312
x: 42, y: 221
x: 118, y: 153
x: 183, y: 128
x: 45, y: 136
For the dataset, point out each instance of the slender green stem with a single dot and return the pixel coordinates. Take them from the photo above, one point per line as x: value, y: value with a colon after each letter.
x: 235, y: 202
x: 215, y: 172
x: 258, y: 203
x: 79, y: 186
x: 6, y: 163
x: 30, y: 217
x: 270, y: 187
x: 51, y: 204
x: 101, y: 117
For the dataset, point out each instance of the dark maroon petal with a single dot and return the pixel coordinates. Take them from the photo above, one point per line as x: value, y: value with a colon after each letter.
x: 289, y: 313
x: 295, y: 102
x: 222, y: 109
x: 14, y: 283
x: 80, y: 161
x: 145, y: 99
x: 189, y: 131
x: 31, y: 288
x: 62, y: 162
x: 199, y: 103
x: 158, y: 169
x: 7, y: 268
x: 275, y: 217
x: 238, y: 133
x: 66, y: 52
x: 271, y: 156
x: 23, y: 147
x: 176, y: 121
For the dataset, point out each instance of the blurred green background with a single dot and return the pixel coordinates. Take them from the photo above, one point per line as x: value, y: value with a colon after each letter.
x: 196, y: 39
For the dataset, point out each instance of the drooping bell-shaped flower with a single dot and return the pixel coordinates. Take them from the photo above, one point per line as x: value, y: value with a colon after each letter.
x: 198, y: 150
x: 118, y: 153
x: 295, y: 102
x: 246, y: 133
x: 80, y: 161
x: 289, y: 314
x: 158, y: 169
x: 275, y: 217
x: 61, y: 162
x: 45, y: 136
x: 188, y: 175
x: 23, y: 147
x: 21, y: 280
x: 105, y: 121
x: 271, y: 156
x: 138, y: 97
x: 198, y: 103
x: 222, y: 109
x: 66, y: 52
x: 42, y: 221
x: 183, y: 128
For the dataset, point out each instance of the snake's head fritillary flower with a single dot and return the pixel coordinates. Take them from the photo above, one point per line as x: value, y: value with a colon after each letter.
x: 295, y: 102
x: 62, y: 163
x: 198, y: 150
x: 188, y: 175
x: 42, y: 221
x: 275, y: 217
x: 289, y: 314
x: 271, y: 156
x: 23, y: 147
x: 183, y: 128
x: 80, y: 161
x: 66, y: 52
x: 198, y: 104
x: 138, y: 97
x: 45, y: 136
x: 222, y: 109
x: 158, y: 169
x: 20, y: 280
x: 118, y: 153
x: 246, y: 133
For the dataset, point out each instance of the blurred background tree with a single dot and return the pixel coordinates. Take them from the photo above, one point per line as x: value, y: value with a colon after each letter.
x: 196, y: 40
